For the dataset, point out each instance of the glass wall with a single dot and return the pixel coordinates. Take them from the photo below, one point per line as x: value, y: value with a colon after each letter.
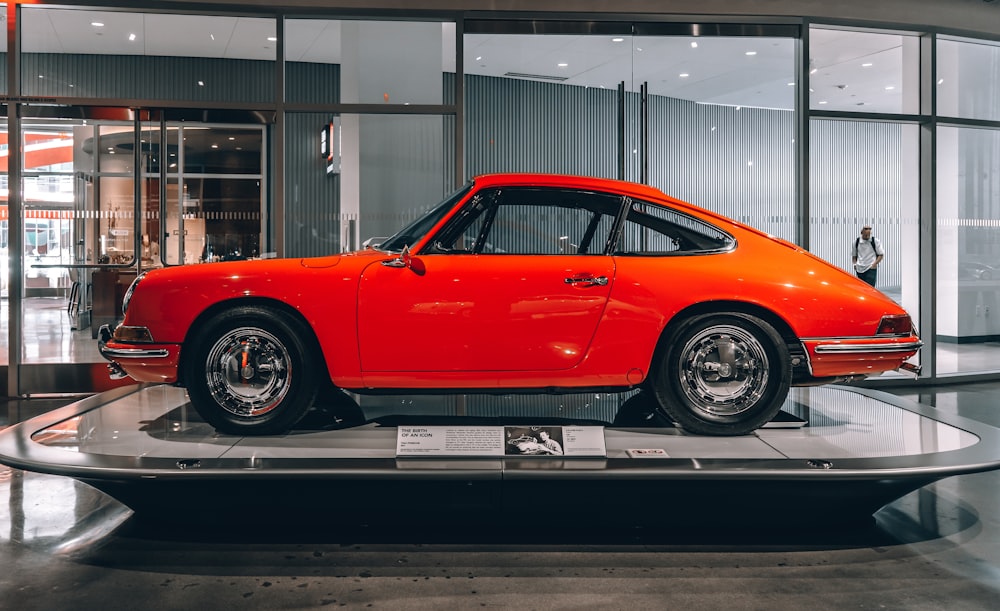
x: 968, y: 207
x: 861, y: 174
x: 87, y: 53
x: 968, y: 249
x: 858, y: 71
x: 710, y: 118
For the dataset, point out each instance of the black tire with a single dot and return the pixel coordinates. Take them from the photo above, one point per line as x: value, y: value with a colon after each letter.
x: 250, y: 371
x: 722, y: 374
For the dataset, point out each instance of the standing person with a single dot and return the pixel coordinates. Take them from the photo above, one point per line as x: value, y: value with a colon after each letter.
x: 866, y: 254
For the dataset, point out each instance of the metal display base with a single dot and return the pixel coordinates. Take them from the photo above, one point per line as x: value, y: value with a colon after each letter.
x: 861, y: 449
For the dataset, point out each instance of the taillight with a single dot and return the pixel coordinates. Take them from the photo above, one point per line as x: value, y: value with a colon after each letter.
x: 896, y: 324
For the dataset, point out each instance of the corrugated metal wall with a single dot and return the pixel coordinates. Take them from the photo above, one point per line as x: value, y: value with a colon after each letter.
x: 739, y: 162
x: 147, y: 77
x: 856, y: 174
x: 515, y: 125
x: 736, y: 161
x: 312, y: 197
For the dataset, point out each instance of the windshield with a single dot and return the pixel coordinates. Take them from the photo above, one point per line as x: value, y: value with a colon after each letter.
x: 418, y: 228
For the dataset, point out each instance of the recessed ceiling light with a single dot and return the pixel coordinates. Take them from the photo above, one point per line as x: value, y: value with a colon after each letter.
x: 814, y: 71
x: 791, y: 84
x: 272, y: 38
x: 212, y: 36
x: 131, y: 36
x: 694, y: 44
x: 479, y: 58
x: 940, y: 81
x: 215, y: 146
x: 562, y: 64
x: 751, y: 53
x: 201, y: 83
x: 683, y: 75
x: 889, y: 88
x: 866, y: 65
x: 822, y: 101
x: 232, y: 137
x: 617, y: 39
x: 97, y: 24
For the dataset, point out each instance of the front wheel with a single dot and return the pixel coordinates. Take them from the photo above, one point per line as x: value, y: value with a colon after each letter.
x: 722, y: 374
x: 250, y: 371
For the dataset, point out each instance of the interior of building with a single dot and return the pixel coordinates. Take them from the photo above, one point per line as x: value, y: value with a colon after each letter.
x: 185, y: 134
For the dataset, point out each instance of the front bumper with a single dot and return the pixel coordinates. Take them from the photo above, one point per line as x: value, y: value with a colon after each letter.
x: 141, y: 362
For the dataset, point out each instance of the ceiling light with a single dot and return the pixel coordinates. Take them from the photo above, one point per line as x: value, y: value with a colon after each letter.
x: 479, y: 58
x: 131, y: 37
x: 694, y: 44
x: 618, y: 39
x: 791, y: 84
x: 272, y: 39
x: 866, y: 65
x: 822, y: 101
x: 814, y: 71
x: 201, y: 83
x: 232, y: 137
x: 562, y: 64
x: 751, y: 53
x: 212, y: 36
x: 683, y: 75
x: 215, y: 146
x: 97, y: 24
x: 889, y: 88
x: 940, y: 81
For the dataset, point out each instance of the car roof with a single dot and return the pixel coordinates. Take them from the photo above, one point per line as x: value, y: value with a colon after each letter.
x: 568, y: 180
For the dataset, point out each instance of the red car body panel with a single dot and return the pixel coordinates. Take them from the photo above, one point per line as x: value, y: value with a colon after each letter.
x: 487, y: 321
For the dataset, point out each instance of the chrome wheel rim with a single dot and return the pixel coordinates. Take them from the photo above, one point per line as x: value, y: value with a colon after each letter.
x: 248, y: 371
x: 723, y: 371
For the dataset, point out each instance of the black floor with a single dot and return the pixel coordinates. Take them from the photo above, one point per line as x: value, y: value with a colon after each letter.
x: 64, y: 545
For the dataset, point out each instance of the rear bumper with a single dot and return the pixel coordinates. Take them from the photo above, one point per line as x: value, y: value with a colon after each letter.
x: 869, y: 356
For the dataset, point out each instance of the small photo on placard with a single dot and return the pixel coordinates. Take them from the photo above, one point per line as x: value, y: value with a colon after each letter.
x: 533, y: 441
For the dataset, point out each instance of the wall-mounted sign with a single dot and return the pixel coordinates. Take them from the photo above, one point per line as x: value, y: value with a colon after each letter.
x: 329, y: 141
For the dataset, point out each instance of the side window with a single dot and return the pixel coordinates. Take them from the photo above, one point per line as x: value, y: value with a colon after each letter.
x: 535, y: 221
x: 656, y: 230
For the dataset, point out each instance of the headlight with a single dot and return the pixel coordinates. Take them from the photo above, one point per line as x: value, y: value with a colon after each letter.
x: 128, y: 293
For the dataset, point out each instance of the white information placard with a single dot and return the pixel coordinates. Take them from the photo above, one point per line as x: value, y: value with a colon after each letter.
x: 500, y: 441
x: 449, y: 441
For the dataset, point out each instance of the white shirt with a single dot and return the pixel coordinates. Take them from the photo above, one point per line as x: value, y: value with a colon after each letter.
x: 866, y: 251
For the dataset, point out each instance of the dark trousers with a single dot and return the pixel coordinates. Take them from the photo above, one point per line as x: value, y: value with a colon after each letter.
x: 869, y: 276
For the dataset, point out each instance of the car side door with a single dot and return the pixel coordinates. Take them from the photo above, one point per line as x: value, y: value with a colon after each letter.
x: 517, y: 282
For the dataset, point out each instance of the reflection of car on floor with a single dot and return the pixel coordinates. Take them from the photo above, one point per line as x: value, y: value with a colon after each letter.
x: 518, y: 283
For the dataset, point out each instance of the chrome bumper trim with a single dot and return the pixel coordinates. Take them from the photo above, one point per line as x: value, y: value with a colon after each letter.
x: 104, y: 334
x: 861, y: 348
x: 134, y: 353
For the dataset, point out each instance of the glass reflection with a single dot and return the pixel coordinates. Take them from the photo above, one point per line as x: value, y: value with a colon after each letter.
x: 864, y: 71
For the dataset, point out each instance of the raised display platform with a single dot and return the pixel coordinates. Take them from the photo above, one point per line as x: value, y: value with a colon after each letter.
x: 858, y: 450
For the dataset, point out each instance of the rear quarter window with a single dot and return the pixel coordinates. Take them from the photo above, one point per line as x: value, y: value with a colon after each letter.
x: 654, y: 230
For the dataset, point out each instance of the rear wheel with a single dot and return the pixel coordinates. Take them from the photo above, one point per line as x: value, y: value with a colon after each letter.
x: 722, y: 374
x: 250, y: 371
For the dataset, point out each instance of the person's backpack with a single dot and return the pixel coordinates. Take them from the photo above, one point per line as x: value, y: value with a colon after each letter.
x: 875, y: 244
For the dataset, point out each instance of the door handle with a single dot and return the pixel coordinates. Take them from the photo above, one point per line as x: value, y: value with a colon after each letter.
x: 588, y: 280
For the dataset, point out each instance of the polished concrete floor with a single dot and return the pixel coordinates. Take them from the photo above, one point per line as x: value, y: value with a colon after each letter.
x: 63, y: 545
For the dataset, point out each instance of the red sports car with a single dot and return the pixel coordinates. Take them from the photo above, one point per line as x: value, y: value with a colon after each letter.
x: 518, y: 283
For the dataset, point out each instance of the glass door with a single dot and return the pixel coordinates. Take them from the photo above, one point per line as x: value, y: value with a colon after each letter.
x: 108, y: 197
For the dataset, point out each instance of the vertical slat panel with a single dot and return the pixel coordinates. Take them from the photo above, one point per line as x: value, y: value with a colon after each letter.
x: 855, y: 177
